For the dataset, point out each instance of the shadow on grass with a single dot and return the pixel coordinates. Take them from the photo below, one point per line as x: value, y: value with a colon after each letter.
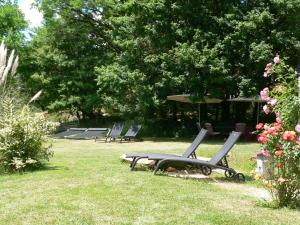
x: 33, y: 170
x: 207, y: 179
x: 47, y: 167
x: 194, y: 175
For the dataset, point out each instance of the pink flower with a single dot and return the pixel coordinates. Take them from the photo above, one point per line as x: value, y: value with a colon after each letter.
x: 272, y: 130
x: 266, y: 109
x: 272, y: 102
x: 264, y: 153
x: 278, y: 120
x: 268, y: 70
x: 262, y: 139
x: 276, y: 59
x: 264, y: 94
x: 297, y: 128
x: 269, y: 65
x: 266, y: 89
x: 266, y: 126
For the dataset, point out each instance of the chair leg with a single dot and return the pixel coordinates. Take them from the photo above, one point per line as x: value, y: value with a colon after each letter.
x: 132, y: 162
x: 159, y: 164
x: 135, y: 162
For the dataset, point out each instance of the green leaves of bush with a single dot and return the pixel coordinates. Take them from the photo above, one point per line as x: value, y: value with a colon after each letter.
x: 23, y: 137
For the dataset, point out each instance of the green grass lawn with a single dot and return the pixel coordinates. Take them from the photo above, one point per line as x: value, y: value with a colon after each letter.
x: 85, y: 183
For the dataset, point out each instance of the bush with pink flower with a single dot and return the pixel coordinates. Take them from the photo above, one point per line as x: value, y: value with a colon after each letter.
x: 280, y: 140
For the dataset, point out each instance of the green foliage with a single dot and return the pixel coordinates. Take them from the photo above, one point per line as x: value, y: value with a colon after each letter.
x: 280, y: 139
x: 286, y: 92
x: 155, y: 48
x: 22, y: 132
x: 12, y: 23
x: 187, y: 47
x: 23, y: 137
x: 64, y: 54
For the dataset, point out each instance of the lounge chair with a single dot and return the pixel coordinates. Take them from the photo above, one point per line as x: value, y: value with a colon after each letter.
x: 189, y: 152
x: 90, y: 133
x: 115, y: 132
x: 131, y: 133
x: 219, y: 161
x: 70, y: 132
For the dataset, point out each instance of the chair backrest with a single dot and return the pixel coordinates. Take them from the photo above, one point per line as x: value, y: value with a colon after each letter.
x: 234, y: 136
x: 133, y: 130
x: 116, y: 130
x: 77, y: 129
x: 209, y: 128
x: 74, y: 132
x: 93, y: 132
x: 98, y: 129
x: 240, y: 127
x: 193, y: 147
x: 70, y: 132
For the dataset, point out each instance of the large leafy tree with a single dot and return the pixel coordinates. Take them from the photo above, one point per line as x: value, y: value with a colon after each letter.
x: 66, y: 50
x: 215, y: 47
x: 144, y: 50
x: 12, y: 24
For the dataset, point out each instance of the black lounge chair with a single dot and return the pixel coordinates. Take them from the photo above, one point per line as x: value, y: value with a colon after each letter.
x: 90, y: 133
x: 115, y: 132
x: 131, y: 133
x: 70, y: 132
x: 189, y: 152
x: 219, y: 161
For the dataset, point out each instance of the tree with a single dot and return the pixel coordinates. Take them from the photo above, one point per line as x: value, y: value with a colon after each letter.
x: 12, y: 24
x: 216, y: 47
x: 65, y: 52
x: 145, y: 50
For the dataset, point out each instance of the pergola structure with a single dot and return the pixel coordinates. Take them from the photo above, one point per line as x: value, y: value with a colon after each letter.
x: 186, y: 98
x: 255, y: 99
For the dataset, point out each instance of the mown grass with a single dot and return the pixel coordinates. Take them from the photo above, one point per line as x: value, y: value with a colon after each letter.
x: 85, y: 183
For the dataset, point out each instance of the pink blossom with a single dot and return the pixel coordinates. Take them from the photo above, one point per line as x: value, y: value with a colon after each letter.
x: 264, y: 153
x: 297, y: 128
x: 272, y: 102
x: 268, y: 70
x: 278, y: 120
x: 266, y: 127
x: 276, y: 59
x: 264, y: 94
x: 266, y: 109
x: 269, y: 65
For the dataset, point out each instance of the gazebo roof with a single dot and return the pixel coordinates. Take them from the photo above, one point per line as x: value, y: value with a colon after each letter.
x: 186, y: 98
x: 247, y: 99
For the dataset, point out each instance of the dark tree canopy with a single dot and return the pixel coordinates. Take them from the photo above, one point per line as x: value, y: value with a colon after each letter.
x: 126, y: 56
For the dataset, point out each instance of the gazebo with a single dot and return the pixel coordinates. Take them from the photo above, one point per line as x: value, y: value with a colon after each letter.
x: 187, y: 98
x: 255, y: 99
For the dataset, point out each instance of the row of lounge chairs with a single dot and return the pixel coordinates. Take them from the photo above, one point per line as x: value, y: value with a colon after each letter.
x: 105, y: 134
x: 218, y: 161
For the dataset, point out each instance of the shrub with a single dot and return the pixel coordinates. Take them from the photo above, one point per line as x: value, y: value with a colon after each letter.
x: 284, y: 149
x: 23, y: 137
x: 279, y: 139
